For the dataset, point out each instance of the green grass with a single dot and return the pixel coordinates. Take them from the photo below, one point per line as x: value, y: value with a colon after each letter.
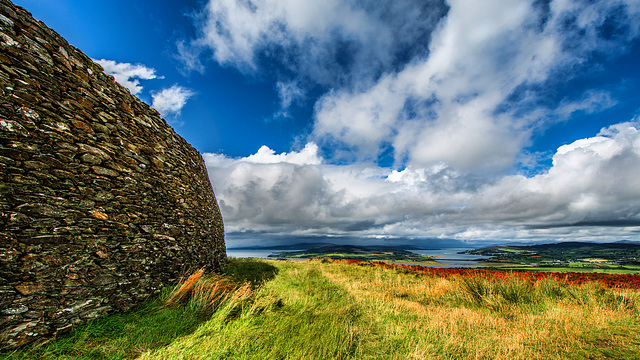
x: 298, y: 315
x: 512, y: 250
x: 330, y: 310
x: 253, y: 271
x: 118, y: 336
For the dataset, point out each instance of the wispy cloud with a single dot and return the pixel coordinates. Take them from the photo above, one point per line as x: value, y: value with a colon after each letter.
x: 591, y: 101
x: 189, y: 56
x: 289, y: 93
x: 128, y: 75
x: 170, y: 101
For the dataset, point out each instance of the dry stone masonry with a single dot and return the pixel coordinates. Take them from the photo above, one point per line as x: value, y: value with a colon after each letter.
x: 101, y: 202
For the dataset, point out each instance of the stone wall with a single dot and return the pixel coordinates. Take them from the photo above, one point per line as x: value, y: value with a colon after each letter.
x: 101, y: 202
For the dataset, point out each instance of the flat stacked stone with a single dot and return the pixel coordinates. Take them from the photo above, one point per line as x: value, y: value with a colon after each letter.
x: 101, y: 202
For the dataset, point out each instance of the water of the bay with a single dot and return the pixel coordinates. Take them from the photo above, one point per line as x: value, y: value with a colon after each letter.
x: 451, y: 258
x: 253, y: 253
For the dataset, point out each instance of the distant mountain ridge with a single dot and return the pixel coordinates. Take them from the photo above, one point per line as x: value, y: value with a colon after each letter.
x: 319, y: 245
x: 623, y: 244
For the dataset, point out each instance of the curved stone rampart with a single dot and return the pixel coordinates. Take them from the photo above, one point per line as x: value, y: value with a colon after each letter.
x: 101, y: 202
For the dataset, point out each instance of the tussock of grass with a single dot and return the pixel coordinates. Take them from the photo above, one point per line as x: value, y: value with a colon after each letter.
x: 202, y: 292
x: 184, y: 289
x: 329, y: 310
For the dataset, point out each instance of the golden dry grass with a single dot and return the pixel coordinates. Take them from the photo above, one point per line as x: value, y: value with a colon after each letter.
x: 490, y: 327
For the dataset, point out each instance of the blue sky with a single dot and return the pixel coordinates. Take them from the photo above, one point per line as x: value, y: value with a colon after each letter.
x: 404, y: 121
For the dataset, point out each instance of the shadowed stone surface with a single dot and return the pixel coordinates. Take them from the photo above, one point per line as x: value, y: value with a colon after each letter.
x: 101, y: 202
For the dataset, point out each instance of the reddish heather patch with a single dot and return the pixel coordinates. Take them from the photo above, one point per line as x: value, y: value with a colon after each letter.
x: 606, y: 279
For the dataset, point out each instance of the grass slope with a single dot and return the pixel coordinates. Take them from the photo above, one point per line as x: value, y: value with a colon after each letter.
x: 336, y: 310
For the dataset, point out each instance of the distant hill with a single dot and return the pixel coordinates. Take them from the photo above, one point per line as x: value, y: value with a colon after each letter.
x: 321, y: 245
x: 369, y: 253
x: 295, y: 246
x: 623, y: 253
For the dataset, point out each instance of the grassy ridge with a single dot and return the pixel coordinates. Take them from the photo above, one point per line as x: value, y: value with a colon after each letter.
x: 337, y: 310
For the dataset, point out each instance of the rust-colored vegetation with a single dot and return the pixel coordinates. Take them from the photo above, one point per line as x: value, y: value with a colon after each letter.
x: 609, y: 280
x: 206, y: 292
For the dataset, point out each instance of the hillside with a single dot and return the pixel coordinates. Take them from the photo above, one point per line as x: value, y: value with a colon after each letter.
x: 359, y: 310
x: 567, y: 255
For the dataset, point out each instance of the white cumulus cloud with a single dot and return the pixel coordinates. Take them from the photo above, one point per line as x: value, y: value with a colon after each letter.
x: 594, y: 183
x: 170, y: 101
x: 128, y: 75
